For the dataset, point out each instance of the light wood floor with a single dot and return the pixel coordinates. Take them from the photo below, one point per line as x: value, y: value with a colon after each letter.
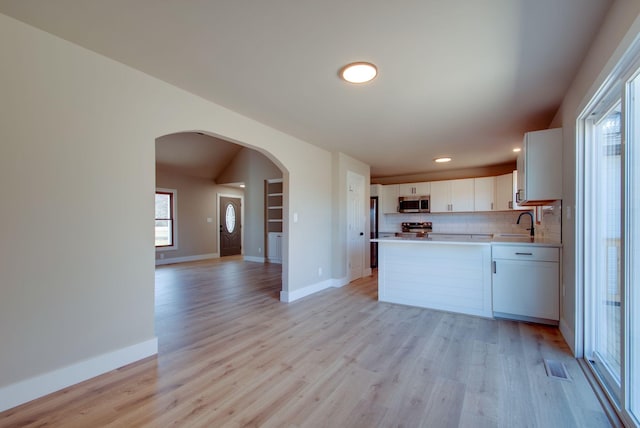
x: 232, y: 355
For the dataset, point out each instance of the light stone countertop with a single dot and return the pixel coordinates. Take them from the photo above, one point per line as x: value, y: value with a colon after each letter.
x: 479, y: 240
x: 408, y: 240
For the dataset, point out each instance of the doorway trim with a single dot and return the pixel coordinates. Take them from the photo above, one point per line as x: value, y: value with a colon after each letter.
x: 219, y: 220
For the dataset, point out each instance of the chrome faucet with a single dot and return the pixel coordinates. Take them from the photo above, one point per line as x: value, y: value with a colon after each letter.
x: 530, y: 215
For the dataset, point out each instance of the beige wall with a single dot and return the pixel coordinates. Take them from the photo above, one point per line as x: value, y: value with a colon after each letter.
x: 619, y: 29
x: 252, y: 168
x: 77, y: 163
x: 196, y: 202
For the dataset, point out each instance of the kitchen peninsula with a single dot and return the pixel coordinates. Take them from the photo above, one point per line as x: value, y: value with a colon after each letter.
x: 444, y: 273
x: 437, y: 274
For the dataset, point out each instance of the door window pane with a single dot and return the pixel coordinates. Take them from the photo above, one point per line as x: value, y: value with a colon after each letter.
x: 608, y: 211
x: 230, y: 218
x: 632, y: 246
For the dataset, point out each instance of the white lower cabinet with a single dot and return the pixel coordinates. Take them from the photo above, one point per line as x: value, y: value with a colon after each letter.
x: 274, y: 247
x: 526, y: 281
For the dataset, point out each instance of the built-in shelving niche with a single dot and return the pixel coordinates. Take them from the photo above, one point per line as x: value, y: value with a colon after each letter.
x: 273, y: 219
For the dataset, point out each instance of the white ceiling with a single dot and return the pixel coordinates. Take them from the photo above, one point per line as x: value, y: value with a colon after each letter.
x: 462, y: 78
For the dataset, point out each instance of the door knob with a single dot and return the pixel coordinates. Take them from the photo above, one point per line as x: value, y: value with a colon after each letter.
x: 361, y: 233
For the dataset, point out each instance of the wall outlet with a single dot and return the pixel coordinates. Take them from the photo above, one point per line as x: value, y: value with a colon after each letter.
x: 259, y: 250
x: 319, y: 271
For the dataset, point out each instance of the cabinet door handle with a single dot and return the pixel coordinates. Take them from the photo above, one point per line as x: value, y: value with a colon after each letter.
x: 510, y: 204
x: 524, y: 254
x: 494, y: 267
x: 491, y: 205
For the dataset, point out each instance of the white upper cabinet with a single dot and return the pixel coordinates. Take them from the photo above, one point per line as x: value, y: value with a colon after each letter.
x: 540, y: 167
x: 484, y: 193
x: 388, y: 198
x: 462, y: 195
x: 514, y: 193
x: 414, y: 189
x: 440, y: 196
x: 471, y: 194
x: 452, y: 195
x: 504, y: 192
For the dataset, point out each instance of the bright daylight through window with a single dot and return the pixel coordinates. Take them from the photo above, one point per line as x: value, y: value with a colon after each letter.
x: 165, y: 219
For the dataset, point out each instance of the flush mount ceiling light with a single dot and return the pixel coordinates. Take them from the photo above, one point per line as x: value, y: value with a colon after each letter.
x: 359, y: 72
x: 517, y: 149
x: 442, y: 160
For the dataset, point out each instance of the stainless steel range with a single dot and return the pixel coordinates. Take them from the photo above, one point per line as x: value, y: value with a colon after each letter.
x: 416, y: 229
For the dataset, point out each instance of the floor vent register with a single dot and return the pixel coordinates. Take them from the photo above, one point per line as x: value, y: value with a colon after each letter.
x: 556, y: 369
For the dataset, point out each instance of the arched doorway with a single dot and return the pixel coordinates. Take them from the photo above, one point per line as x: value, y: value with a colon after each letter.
x: 203, y: 168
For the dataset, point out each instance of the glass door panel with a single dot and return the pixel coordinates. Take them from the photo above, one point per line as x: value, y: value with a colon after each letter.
x: 632, y: 249
x: 609, y: 247
x: 606, y: 326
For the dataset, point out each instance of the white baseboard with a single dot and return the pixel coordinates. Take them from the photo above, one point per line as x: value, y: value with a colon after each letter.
x: 187, y: 259
x: 254, y: 259
x: 289, y: 297
x: 368, y: 272
x: 21, y: 392
x: 569, y: 336
x: 340, y: 282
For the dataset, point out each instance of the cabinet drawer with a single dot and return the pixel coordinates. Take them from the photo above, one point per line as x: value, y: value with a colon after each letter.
x: 526, y: 252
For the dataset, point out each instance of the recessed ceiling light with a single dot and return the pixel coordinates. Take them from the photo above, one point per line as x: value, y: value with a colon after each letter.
x: 442, y: 160
x: 359, y: 72
x: 517, y: 149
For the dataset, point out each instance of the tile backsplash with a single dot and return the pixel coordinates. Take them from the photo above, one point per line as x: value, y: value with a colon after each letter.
x: 549, y: 225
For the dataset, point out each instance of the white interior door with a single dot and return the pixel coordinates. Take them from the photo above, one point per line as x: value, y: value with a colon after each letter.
x: 355, y: 225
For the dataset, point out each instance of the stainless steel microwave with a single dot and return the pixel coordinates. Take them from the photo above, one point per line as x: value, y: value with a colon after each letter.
x: 414, y: 204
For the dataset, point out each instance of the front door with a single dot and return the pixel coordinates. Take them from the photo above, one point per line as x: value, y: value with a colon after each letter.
x: 230, y: 227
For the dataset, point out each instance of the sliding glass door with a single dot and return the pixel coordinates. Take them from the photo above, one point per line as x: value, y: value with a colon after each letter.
x: 610, y: 262
x: 632, y: 250
x: 604, y: 242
